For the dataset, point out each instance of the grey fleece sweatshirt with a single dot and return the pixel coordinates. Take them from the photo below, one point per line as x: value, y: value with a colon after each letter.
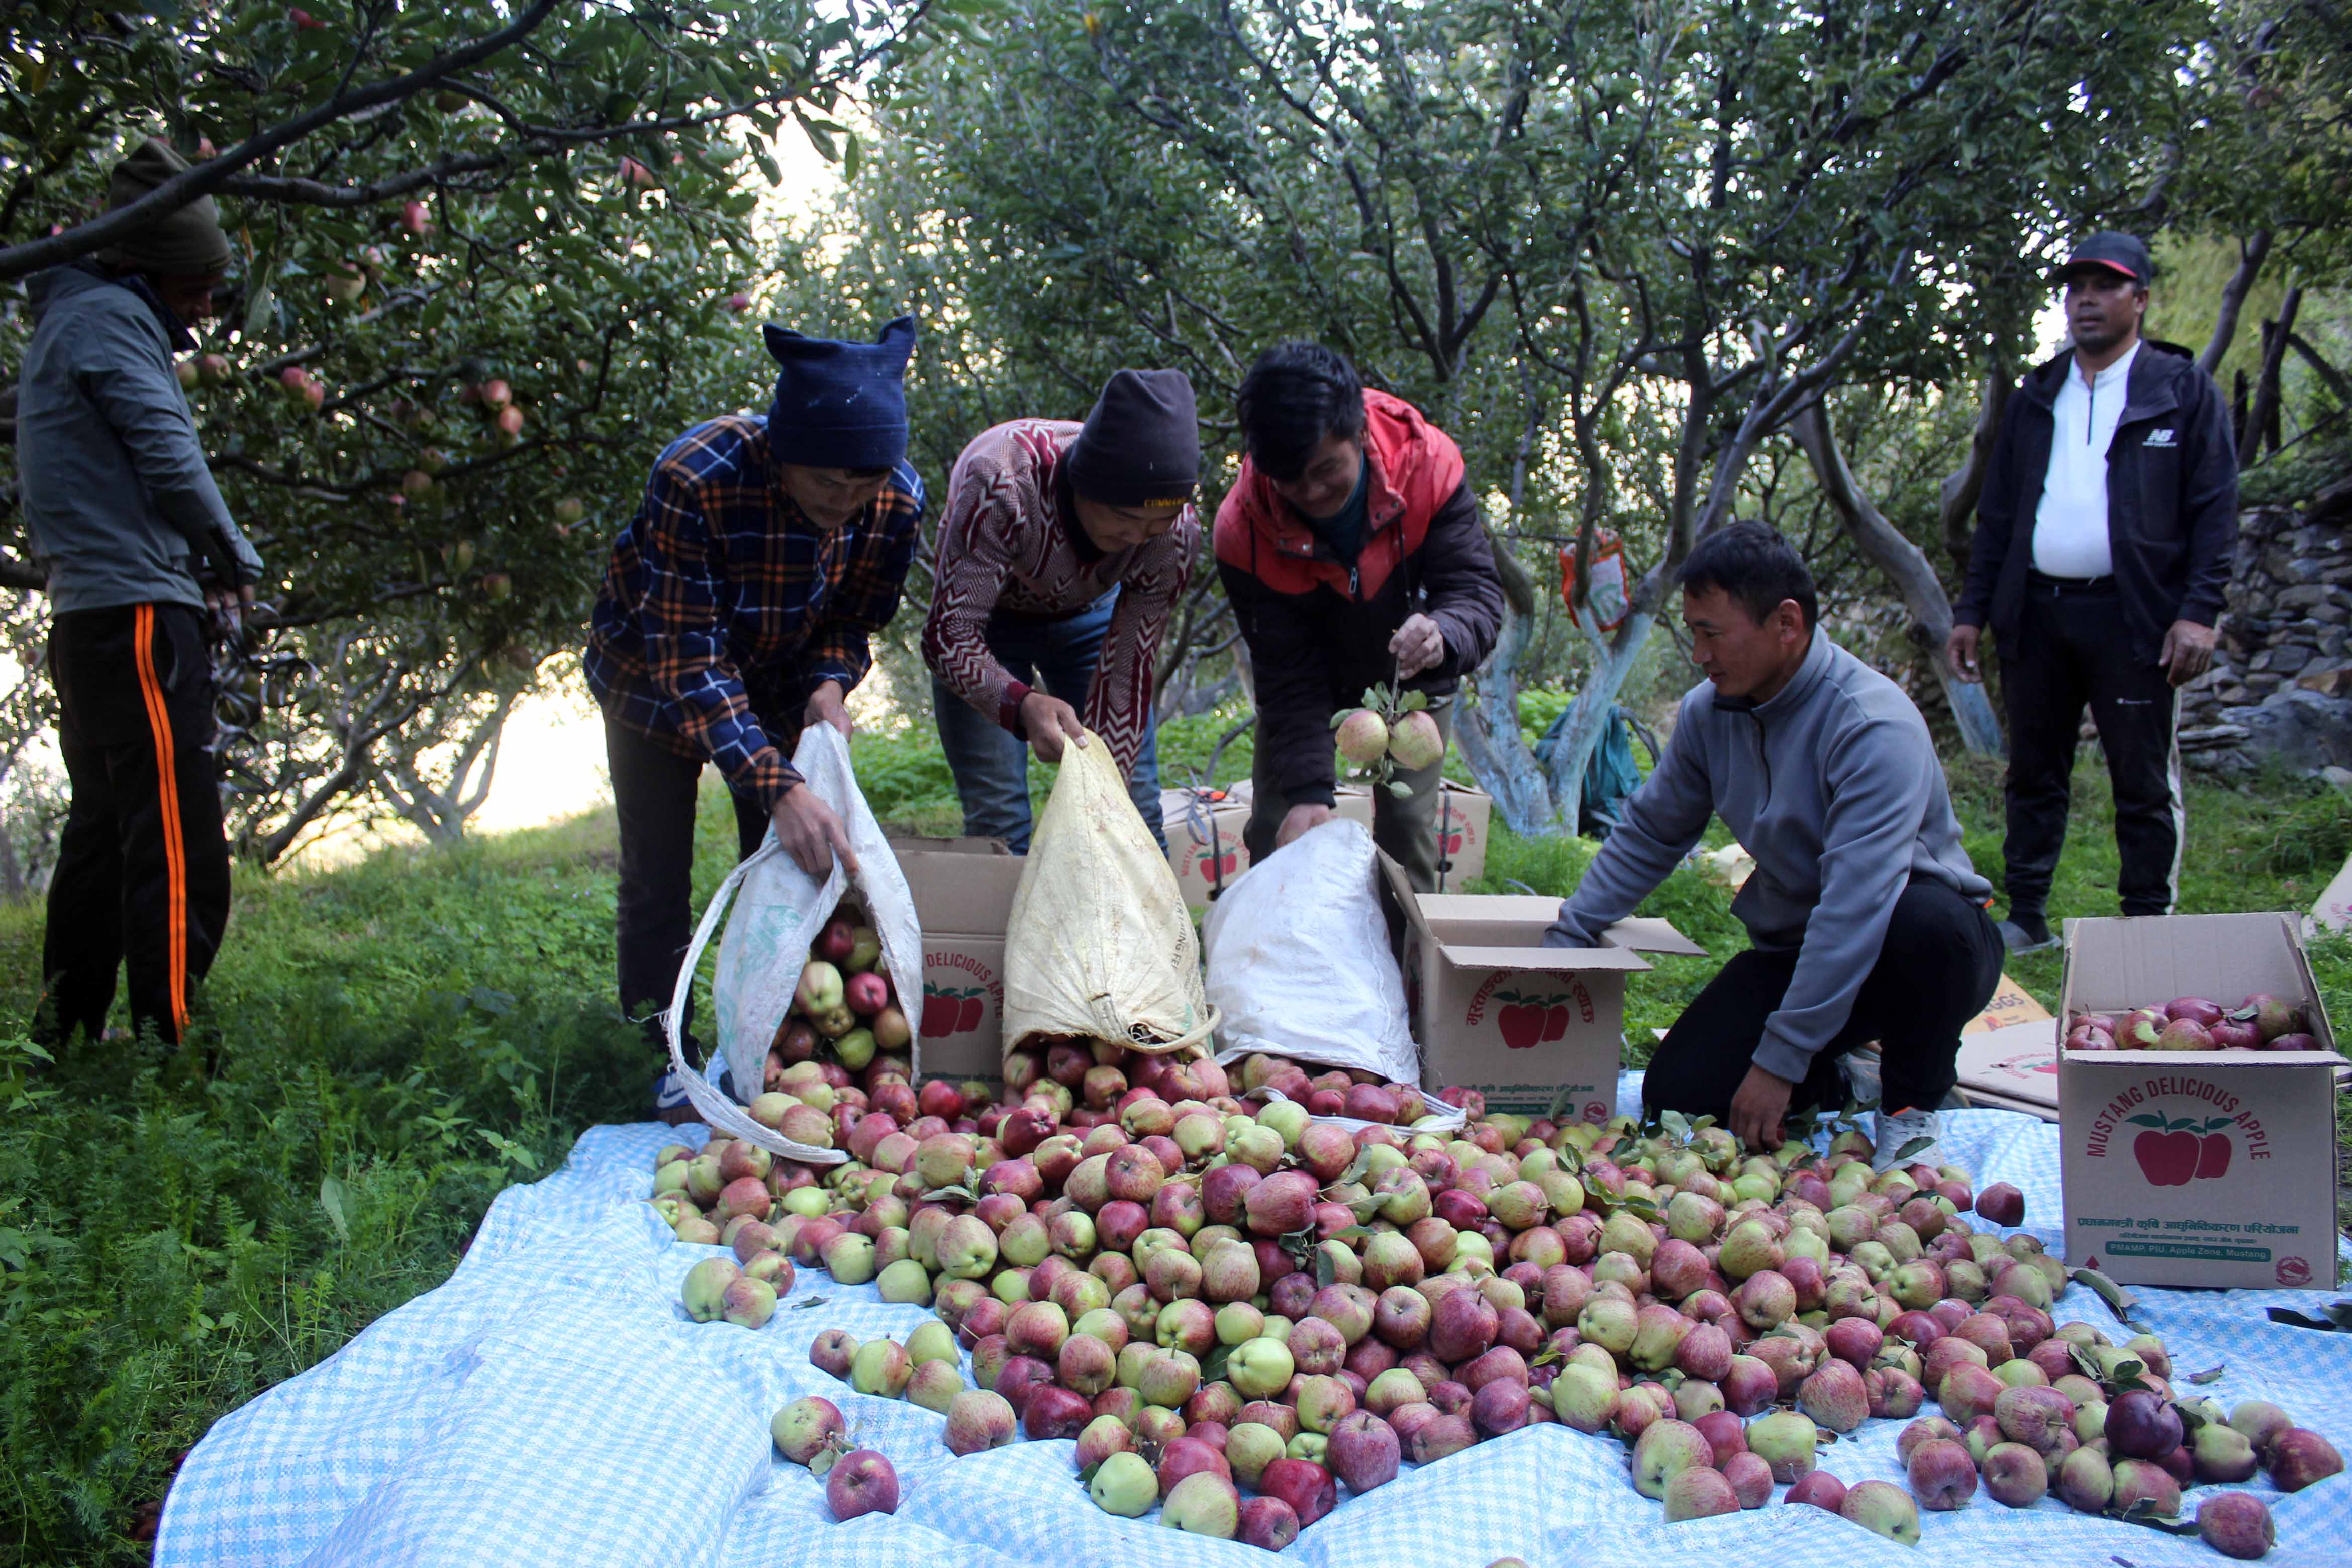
x: 121, y: 506
x: 1833, y: 785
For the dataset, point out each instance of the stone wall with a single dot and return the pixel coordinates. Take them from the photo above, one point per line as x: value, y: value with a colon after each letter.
x: 2280, y: 691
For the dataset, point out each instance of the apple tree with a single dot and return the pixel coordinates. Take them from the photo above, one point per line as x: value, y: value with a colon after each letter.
x: 489, y: 257
x: 1617, y: 253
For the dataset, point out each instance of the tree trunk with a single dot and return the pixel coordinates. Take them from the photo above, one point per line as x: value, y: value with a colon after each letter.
x: 2250, y: 254
x: 2263, y: 414
x: 1957, y: 497
x: 1487, y: 729
x: 1588, y: 715
x: 1906, y: 566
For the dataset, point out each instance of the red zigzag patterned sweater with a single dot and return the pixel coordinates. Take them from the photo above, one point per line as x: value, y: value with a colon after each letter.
x: 1004, y: 544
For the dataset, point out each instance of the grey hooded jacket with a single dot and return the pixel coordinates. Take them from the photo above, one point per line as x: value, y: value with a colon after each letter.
x: 1833, y: 785
x: 120, y: 504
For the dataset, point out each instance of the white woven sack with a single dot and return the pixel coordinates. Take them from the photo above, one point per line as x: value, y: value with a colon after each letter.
x: 1299, y: 963
x: 779, y: 910
x: 1100, y: 944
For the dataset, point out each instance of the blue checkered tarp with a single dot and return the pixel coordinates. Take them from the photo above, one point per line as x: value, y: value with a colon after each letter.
x: 551, y: 1403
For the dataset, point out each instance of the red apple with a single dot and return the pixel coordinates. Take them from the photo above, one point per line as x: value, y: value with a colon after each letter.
x: 1305, y: 1484
x: 861, y: 1481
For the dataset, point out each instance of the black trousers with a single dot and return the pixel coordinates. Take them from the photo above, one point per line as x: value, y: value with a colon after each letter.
x: 652, y: 794
x: 2071, y: 650
x: 1936, y: 969
x: 141, y: 879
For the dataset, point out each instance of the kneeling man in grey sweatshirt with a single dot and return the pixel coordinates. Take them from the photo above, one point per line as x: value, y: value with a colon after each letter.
x: 1866, y: 919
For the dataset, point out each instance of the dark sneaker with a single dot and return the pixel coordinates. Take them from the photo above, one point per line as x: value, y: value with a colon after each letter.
x: 2028, y: 933
x: 670, y: 1101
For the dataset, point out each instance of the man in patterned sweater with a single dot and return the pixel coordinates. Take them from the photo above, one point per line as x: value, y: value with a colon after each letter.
x: 1061, y: 551
x: 737, y: 609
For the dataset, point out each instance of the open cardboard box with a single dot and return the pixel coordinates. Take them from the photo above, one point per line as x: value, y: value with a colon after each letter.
x: 1203, y: 829
x: 1495, y: 1010
x: 963, y: 896
x: 1463, y: 815
x: 2197, y: 1167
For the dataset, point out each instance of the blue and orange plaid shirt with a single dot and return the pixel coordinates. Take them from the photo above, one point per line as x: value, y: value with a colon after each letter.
x: 724, y: 605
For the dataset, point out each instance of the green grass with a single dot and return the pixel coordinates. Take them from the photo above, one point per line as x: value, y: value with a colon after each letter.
x: 395, y: 1040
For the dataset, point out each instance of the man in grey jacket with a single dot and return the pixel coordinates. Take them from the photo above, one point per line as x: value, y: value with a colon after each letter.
x: 1867, y: 921
x: 139, y: 546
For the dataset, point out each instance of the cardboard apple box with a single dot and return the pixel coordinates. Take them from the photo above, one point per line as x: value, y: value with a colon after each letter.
x: 1463, y: 817
x: 963, y: 894
x: 2197, y: 1167
x: 1495, y: 1010
x: 1203, y: 829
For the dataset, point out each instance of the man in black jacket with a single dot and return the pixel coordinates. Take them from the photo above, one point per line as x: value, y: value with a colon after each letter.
x: 2103, y: 547
x: 1351, y: 549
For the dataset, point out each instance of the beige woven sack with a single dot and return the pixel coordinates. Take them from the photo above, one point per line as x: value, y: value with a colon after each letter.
x: 1099, y: 945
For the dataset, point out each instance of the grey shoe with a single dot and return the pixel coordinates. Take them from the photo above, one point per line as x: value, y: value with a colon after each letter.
x: 2020, y: 936
x: 1897, y: 1130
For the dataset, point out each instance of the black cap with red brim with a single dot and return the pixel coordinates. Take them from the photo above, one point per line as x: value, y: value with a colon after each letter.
x: 2123, y: 254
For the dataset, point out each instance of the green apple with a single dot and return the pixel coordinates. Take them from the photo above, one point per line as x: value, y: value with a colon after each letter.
x: 1260, y: 1368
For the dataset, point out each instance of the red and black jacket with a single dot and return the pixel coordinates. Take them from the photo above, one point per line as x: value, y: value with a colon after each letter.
x: 1319, y: 629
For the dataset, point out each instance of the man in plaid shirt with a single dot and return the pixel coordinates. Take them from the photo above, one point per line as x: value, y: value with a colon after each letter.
x: 736, y: 610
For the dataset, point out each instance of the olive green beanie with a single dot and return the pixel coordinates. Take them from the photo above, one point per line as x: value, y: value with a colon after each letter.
x: 185, y: 243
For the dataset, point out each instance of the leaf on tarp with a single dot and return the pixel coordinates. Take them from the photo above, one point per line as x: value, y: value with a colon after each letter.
x: 337, y: 1201
x: 2144, y: 1510
x: 2211, y: 1374
x: 2118, y: 1300
x: 812, y: 1302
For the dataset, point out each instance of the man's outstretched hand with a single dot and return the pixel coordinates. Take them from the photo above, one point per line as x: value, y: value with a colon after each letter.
x: 811, y: 832
x: 1757, y: 1107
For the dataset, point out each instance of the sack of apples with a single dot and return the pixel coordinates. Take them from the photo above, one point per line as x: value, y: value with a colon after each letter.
x: 803, y: 988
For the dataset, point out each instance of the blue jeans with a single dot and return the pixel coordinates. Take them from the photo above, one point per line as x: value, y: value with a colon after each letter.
x: 991, y: 765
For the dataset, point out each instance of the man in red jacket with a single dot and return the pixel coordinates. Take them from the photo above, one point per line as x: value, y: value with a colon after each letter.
x: 1353, y: 554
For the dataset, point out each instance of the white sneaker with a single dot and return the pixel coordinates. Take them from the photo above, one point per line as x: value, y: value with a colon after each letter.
x: 1897, y: 1130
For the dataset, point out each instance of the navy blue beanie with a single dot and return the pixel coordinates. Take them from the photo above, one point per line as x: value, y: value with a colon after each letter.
x: 840, y: 405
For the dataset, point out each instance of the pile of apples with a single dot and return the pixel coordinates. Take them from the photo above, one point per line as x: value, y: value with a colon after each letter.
x: 2105, y: 1432
x: 1212, y: 1297
x: 2261, y: 1023
x: 1358, y: 1096
x: 845, y: 1010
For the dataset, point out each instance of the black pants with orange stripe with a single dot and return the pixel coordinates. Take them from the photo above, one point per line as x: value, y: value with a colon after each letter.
x: 141, y: 880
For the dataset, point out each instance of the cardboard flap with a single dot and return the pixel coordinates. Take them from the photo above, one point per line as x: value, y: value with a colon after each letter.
x: 1649, y: 935
x: 1490, y: 906
x: 961, y: 886
x: 1545, y: 960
